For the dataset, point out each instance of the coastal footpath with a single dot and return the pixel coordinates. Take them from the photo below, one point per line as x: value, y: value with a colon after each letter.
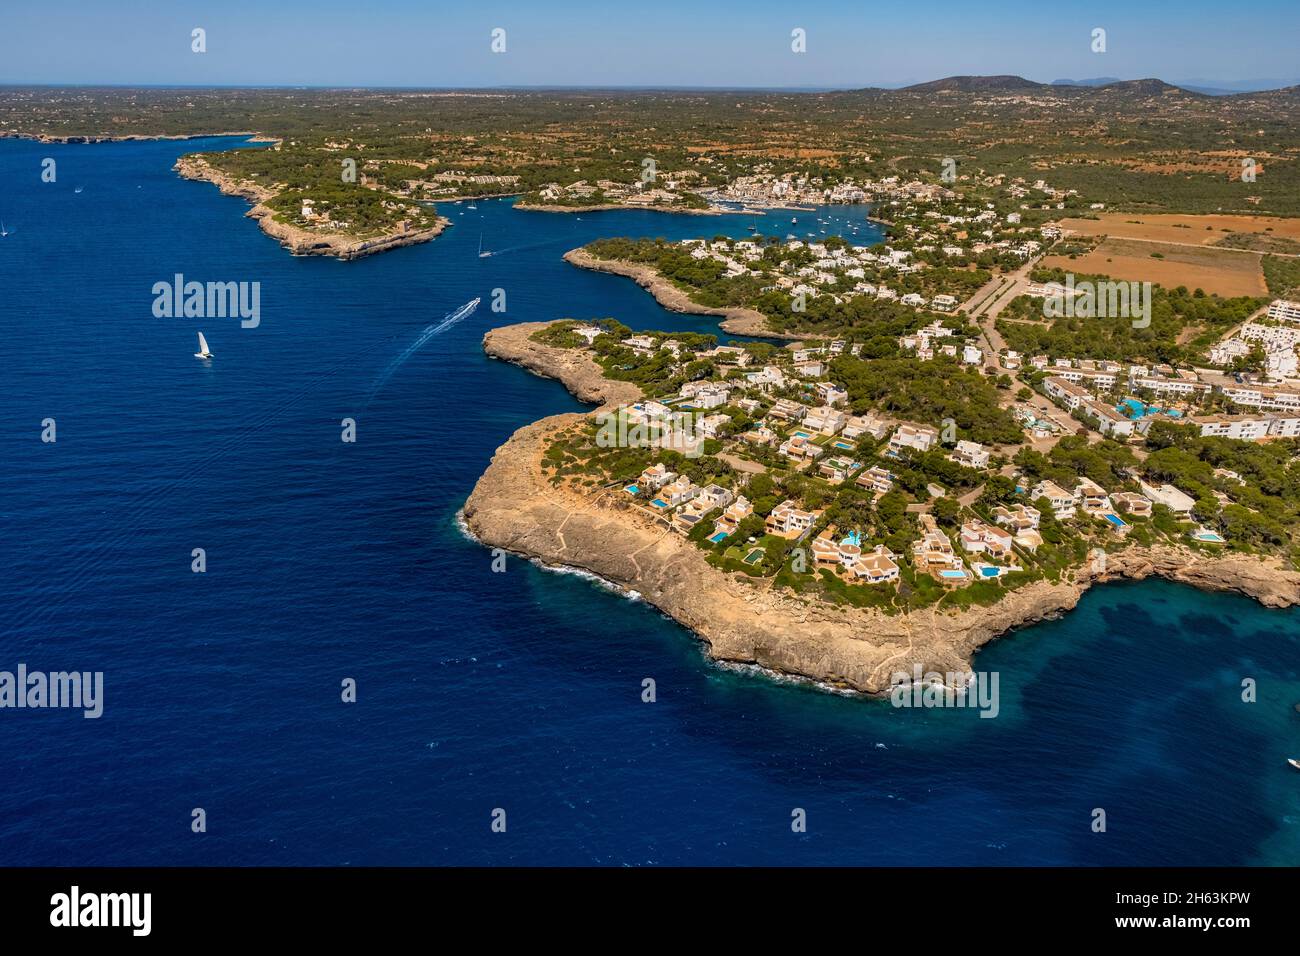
x: 736, y: 320
x: 746, y: 620
x: 301, y: 242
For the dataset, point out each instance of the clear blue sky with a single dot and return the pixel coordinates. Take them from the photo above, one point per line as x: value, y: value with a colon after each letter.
x: 663, y: 42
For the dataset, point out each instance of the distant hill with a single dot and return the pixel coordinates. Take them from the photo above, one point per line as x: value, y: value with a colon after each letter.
x: 1018, y: 84
x: 1148, y: 87
x: 975, y: 84
x: 1224, y: 87
x: 1287, y: 93
x: 1095, y: 81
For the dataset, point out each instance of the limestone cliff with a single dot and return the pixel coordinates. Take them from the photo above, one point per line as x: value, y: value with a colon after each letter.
x: 737, y: 321
x: 301, y: 242
x: 747, y: 620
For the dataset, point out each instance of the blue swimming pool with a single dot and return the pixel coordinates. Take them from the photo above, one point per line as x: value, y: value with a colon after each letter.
x: 951, y: 574
x: 719, y: 537
x: 1116, y: 520
x: 659, y: 503
x: 632, y: 490
x: 1134, y: 409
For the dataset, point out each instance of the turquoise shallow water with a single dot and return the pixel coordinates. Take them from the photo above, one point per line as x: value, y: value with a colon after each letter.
x: 479, y: 690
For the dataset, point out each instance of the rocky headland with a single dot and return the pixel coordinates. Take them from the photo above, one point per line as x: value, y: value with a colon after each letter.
x: 746, y: 620
x: 737, y: 321
x: 301, y: 242
x: 573, y: 368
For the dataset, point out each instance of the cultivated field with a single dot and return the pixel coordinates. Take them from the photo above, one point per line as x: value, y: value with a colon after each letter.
x: 1192, y: 230
x: 1218, y: 271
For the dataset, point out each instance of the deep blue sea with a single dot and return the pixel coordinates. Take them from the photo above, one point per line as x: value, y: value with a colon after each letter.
x: 477, y: 690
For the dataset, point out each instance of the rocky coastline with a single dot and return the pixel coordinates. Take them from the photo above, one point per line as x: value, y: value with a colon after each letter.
x: 86, y: 138
x: 745, y: 620
x: 735, y: 320
x: 606, y: 206
x: 301, y: 242
x: 573, y: 368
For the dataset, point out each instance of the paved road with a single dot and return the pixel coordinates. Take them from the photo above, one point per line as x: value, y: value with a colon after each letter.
x: 986, y: 313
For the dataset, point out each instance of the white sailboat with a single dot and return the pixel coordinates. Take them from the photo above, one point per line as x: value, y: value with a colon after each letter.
x: 481, y: 253
x: 203, y: 352
x: 3, y: 231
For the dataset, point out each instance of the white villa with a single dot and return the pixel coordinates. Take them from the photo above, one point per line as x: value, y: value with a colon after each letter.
x: 1177, y: 501
x: 917, y: 437
x: 846, y: 557
x: 1062, y: 502
x: 789, y: 520
x: 971, y: 454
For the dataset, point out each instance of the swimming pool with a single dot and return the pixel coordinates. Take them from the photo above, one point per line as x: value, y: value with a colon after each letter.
x: 719, y: 537
x: 1134, y: 409
x: 1209, y: 537
x: 802, y: 434
x: 989, y: 571
x: 953, y: 575
x: 843, y: 446
x: 1116, y: 520
x: 632, y: 490
x: 659, y: 503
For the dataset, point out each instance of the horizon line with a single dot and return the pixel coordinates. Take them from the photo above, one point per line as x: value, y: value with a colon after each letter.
x: 1088, y: 83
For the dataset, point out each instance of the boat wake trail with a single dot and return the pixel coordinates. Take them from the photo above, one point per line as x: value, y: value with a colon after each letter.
x: 129, y: 520
x: 464, y: 312
x: 495, y: 253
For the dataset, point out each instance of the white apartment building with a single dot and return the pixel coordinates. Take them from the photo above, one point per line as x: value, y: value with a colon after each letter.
x: 1066, y: 392
x: 1284, y: 310
x: 1268, y: 399
x: 1110, y: 422
x: 1240, y: 427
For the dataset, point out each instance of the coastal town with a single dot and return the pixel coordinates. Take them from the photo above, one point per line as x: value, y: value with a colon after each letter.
x: 787, y: 463
x: 965, y: 387
x: 938, y: 427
